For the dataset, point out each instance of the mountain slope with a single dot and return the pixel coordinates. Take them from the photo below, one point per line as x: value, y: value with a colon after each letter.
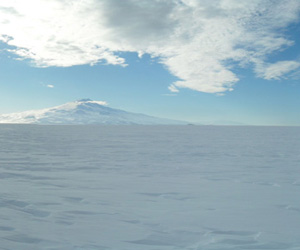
x: 83, y: 111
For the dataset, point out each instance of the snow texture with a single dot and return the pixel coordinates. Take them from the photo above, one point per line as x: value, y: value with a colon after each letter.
x: 84, y: 111
x: 149, y: 187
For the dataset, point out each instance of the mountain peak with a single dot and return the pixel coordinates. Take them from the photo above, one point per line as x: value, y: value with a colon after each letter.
x: 83, y: 111
x: 84, y: 100
x: 89, y: 101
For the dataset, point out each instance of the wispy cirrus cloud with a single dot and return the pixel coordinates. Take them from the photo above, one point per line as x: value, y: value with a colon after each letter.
x: 200, y: 42
x: 277, y: 70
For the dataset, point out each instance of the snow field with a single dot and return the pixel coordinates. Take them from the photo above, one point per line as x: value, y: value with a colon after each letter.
x: 149, y: 187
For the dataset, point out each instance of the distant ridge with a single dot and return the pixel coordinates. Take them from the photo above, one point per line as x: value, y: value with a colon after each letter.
x: 84, y: 111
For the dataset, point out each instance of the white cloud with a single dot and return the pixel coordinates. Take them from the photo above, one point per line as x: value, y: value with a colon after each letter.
x: 104, y: 103
x: 50, y: 86
x: 200, y: 42
x: 173, y: 89
x: 276, y: 70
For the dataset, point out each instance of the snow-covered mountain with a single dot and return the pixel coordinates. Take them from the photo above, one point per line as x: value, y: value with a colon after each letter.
x: 83, y: 111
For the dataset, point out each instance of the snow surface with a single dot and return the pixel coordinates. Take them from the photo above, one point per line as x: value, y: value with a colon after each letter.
x: 83, y: 111
x: 149, y: 187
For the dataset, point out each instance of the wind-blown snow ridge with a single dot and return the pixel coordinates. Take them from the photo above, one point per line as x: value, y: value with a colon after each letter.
x: 84, y: 111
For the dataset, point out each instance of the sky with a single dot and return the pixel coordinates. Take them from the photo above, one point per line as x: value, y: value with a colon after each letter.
x: 206, y: 62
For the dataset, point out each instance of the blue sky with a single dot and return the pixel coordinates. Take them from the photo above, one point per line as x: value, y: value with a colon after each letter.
x: 226, y: 62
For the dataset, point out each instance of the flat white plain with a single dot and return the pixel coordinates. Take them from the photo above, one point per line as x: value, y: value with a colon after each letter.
x: 149, y: 187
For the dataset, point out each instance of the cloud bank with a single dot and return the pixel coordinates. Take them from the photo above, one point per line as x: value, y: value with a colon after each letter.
x: 200, y: 42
